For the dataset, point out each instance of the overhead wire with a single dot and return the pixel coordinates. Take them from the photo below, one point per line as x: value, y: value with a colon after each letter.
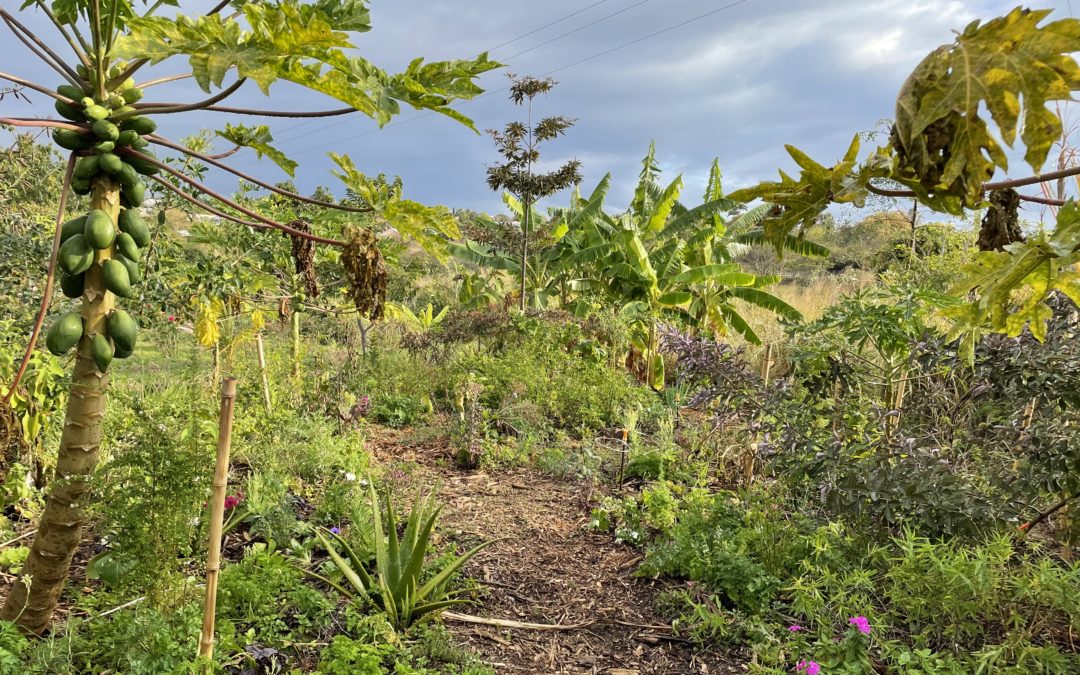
x: 498, y: 46
x: 550, y: 72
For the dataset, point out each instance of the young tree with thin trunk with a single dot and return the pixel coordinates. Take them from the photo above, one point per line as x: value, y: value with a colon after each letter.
x: 519, y: 143
x: 108, y: 130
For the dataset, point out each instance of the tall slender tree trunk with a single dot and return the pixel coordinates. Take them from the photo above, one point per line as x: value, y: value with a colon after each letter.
x: 525, y: 250
x: 60, y: 526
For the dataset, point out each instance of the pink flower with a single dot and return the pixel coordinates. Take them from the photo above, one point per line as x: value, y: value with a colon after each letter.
x: 231, y: 501
x: 861, y: 623
x: 172, y: 318
x: 794, y: 628
x: 810, y: 667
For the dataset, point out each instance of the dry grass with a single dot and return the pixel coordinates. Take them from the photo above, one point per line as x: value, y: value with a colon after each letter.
x: 811, y: 298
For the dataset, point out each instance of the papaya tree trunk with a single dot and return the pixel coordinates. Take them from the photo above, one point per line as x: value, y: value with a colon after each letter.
x: 60, y: 526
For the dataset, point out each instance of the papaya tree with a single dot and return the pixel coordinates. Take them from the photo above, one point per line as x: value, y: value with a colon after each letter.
x: 944, y: 153
x: 519, y: 144
x: 108, y: 130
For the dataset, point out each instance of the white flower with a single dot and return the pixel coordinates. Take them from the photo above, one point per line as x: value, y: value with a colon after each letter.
x: 350, y: 476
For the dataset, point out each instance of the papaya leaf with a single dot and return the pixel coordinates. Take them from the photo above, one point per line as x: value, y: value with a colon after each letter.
x: 258, y: 139
x: 1013, y: 285
x: 800, y: 202
x: 299, y: 43
x: 432, y: 227
x: 942, y: 144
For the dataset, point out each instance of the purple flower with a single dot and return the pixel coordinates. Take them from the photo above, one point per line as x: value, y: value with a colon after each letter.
x: 861, y: 623
x: 810, y: 667
x: 335, y: 530
x: 794, y: 628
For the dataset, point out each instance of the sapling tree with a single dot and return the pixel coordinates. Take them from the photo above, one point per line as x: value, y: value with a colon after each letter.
x: 519, y: 144
x: 107, y: 132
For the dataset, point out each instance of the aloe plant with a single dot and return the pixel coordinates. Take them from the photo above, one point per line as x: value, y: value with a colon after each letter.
x: 395, y: 587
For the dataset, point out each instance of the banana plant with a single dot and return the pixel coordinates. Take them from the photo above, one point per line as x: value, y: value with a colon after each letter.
x: 396, y: 586
x: 661, y: 260
x: 419, y: 322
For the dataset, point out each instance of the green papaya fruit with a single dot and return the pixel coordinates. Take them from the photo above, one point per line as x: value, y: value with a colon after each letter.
x: 72, y: 227
x: 126, y: 86
x: 72, y: 285
x: 117, y: 69
x: 132, y: 223
x: 70, y: 112
x: 125, y: 244
x: 104, y: 146
x: 75, y: 255
x: 96, y: 112
x: 132, y: 94
x: 110, y: 163
x: 140, y: 125
x: 134, y: 273
x: 122, y: 113
x: 72, y: 140
x: 133, y: 196
x: 100, y: 231
x: 128, y: 176
x: 71, y: 91
x: 82, y: 71
x: 101, y: 351
x: 64, y: 334
x: 87, y: 167
x: 115, y: 276
x: 139, y: 143
x: 140, y: 162
x: 128, y: 137
x: 80, y: 186
x: 116, y: 101
x: 122, y: 329
x: 121, y: 353
x: 105, y: 130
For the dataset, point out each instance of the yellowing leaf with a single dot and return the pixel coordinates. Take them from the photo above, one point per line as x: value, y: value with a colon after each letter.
x: 945, y: 149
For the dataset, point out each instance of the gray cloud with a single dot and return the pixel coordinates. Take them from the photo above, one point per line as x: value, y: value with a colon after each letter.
x: 735, y: 85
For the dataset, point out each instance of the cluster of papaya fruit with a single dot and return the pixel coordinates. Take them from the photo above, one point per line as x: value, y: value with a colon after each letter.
x: 110, y: 141
x: 111, y: 137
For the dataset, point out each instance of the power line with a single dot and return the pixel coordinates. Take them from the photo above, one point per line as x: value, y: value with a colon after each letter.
x: 577, y: 30
x: 508, y: 42
x: 556, y: 70
x: 646, y: 37
x: 548, y: 25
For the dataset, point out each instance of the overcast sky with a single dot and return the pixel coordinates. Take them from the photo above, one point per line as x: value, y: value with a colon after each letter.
x: 736, y: 84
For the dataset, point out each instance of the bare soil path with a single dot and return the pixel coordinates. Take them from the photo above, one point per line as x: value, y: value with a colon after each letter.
x: 549, y: 569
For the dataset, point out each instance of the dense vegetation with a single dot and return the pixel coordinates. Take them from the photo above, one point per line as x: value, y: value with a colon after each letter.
x: 840, y: 442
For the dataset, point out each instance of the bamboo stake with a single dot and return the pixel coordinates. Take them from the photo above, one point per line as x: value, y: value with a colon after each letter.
x: 262, y: 369
x: 296, y: 340
x: 217, y: 514
x: 768, y: 364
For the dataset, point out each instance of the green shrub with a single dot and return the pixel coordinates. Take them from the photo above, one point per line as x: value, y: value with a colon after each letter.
x: 266, y: 593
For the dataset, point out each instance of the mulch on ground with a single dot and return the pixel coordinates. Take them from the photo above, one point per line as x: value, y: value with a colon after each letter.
x: 549, y: 568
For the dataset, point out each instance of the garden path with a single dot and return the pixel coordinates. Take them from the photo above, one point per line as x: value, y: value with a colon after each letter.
x: 549, y: 569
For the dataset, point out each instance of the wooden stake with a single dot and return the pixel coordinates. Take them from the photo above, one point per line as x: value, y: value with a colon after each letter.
x: 296, y: 340
x: 262, y: 369
x: 217, y: 515
x: 768, y: 364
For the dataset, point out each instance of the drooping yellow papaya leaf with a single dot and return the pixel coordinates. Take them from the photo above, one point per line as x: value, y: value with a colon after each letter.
x: 945, y: 150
